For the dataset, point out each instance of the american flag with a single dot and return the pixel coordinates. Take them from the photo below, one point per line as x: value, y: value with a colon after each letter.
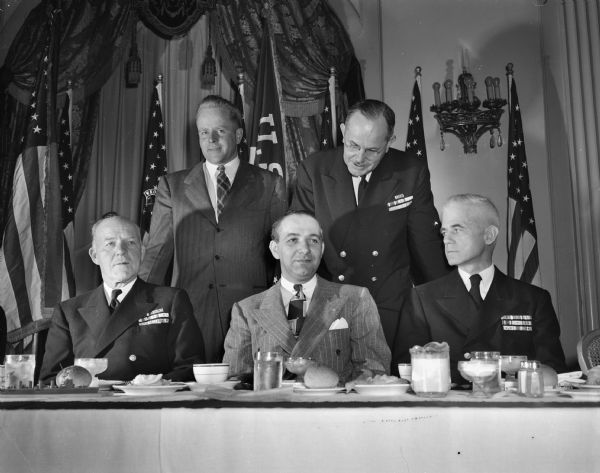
x: 238, y: 102
x: 523, y: 260
x: 155, y: 159
x: 32, y: 264
x: 65, y: 161
x: 266, y: 139
x: 415, y: 136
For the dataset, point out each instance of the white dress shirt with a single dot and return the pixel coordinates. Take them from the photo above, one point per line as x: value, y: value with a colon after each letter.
x: 356, y: 182
x: 210, y: 176
x: 288, y: 291
x: 124, y: 291
x: 487, y: 276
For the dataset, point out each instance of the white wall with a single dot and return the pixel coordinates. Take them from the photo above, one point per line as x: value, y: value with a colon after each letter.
x: 394, y: 36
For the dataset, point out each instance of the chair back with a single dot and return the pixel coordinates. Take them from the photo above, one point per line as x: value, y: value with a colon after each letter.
x: 588, y: 350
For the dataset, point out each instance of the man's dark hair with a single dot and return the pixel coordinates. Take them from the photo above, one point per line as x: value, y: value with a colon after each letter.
x: 374, y: 109
x: 216, y: 101
x: 277, y: 223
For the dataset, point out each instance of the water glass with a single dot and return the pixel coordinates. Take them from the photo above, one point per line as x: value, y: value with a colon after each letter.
x: 18, y: 371
x: 268, y: 370
x: 491, y: 385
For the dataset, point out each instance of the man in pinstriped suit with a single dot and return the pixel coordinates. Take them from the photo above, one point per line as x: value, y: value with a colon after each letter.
x: 218, y: 248
x: 341, y: 329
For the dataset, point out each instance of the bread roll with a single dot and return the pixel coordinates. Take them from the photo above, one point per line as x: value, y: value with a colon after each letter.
x: 319, y: 376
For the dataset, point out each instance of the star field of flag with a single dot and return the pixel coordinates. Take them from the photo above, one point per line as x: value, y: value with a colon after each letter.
x: 518, y: 174
x: 155, y: 160
x: 66, y: 162
x: 326, y: 138
x: 415, y: 136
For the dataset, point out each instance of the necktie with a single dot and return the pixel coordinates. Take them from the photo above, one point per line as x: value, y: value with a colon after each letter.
x: 114, y: 303
x: 223, y: 186
x: 296, y: 310
x: 475, y: 292
x: 362, y: 188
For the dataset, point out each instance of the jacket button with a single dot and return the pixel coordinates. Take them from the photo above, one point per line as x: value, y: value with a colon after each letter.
x: 341, y: 277
x: 375, y: 253
x: 374, y: 278
x: 132, y: 357
x: 217, y: 257
x: 343, y: 254
x: 211, y: 286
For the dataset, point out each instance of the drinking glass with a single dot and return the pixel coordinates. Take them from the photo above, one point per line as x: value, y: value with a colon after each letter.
x: 479, y: 372
x: 493, y: 384
x: 430, y: 369
x: 268, y: 370
x: 18, y: 371
x: 510, y: 364
x: 94, y: 365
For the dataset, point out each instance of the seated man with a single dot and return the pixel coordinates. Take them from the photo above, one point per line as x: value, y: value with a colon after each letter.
x: 305, y: 315
x: 141, y: 328
x: 476, y: 307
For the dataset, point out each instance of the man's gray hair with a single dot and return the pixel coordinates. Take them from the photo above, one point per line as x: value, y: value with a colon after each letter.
x: 484, y: 203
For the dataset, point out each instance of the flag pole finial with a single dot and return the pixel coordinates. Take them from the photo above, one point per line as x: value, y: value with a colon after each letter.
x: 417, y: 71
x: 509, y: 69
x: 159, y: 78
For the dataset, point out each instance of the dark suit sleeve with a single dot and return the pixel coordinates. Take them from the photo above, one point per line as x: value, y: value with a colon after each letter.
x: 238, y: 343
x: 303, y: 198
x: 546, y: 334
x: 428, y: 261
x: 59, y: 346
x: 159, y: 247
x: 278, y: 201
x: 186, y: 345
x: 413, y: 329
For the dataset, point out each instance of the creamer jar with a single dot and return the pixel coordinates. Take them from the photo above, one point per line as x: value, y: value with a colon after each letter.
x: 431, y: 369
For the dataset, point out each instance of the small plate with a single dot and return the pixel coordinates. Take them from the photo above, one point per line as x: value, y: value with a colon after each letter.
x: 582, y: 394
x: 381, y: 389
x: 590, y: 387
x: 149, y: 389
x: 317, y: 391
x: 201, y: 387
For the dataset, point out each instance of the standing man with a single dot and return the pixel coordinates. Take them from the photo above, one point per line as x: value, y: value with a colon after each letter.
x: 212, y: 222
x: 141, y: 328
x: 476, y: 307
x: 376, y: 208
x: 304, y: 315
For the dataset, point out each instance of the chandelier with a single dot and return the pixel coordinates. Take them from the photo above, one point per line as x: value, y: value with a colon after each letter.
x: 463, y: 116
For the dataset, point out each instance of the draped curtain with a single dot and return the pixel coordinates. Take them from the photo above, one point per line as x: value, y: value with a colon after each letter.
x: 309, y: 40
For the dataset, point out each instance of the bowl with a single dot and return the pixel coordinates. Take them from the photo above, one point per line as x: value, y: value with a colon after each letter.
x: 211, y: 373
x: 94, y: 365
x: 298, y: 365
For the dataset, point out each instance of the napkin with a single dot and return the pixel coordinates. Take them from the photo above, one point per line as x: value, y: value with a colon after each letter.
x: 570, y: 377
x: 339, y: 324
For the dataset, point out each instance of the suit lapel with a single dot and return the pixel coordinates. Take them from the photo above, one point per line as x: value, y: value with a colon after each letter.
x: 456, y: 302
x: 135, y: 305
x: 338, y: 188
x: 493, y: 306
x: 271, y: 317
x: 240, y: 194
x: 197, y: 193
x: 381, y: 185
x: 325, y: 306
x: 95, y: 312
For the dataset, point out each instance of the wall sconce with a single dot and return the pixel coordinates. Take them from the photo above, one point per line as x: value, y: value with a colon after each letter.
x: 462, y: 116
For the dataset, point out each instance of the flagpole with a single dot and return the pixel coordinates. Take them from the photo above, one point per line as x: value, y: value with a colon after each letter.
x: 333, y: 110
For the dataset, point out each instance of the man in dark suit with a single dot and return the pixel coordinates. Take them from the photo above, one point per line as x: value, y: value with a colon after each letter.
x: 476, y: 307
x: 212, y: 222
x: 336, y: 325
x: 141, y: 328
x: 376, y: 208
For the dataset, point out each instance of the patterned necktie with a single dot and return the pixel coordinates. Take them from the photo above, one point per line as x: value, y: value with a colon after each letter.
x: 296, y: 310
x: 223, y: 186
x: 114, y: 303
x: 362, y: 188
x: 475, y: 292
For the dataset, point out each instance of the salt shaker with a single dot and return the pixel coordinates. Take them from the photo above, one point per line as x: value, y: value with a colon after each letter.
x: 531, y: 379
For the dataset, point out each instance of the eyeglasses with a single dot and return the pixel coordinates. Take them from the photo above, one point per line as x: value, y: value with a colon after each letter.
x: 368, y: 152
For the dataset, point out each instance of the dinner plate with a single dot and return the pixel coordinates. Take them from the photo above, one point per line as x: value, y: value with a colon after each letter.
x: 149, y: 389
x: 381, y: 389
x: 582, y: 394
x: 317, y: 391
x: 201, y: 387
x: 591, y: 387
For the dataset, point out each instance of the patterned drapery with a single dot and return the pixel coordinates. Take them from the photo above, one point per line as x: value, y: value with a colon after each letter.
x: 172, y: 18
x: 93, y: 37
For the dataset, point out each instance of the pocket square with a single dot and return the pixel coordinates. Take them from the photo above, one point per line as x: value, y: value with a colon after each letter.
x: 339, y: 324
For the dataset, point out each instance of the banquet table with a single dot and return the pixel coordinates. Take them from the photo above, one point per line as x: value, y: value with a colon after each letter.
x: 219, y: 429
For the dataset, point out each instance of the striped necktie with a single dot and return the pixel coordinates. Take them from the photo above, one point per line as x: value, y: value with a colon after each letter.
x: 296, y: 310
x: 114, y: 302
x: 223, y: 186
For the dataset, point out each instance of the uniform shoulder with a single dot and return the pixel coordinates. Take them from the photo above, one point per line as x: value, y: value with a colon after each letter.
x: 322, y: 159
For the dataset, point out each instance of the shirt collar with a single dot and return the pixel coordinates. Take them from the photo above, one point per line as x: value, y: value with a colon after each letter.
x: 230, y: 168
x: 487, y: 275
x: 307, y: 288
x: 124, y: 290
x: 358, y: 178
